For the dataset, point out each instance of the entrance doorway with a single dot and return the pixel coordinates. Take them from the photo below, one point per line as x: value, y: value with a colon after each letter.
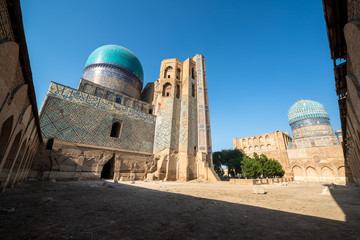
x: 108, y: 170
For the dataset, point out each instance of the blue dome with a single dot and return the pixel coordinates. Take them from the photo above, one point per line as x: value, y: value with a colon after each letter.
x: 117, y: 55
x: 307, y: 109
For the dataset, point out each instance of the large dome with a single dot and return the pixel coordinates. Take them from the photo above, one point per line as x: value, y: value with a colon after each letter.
x: 117, y: 55
x: 116, y: 68
x: 306, y: 109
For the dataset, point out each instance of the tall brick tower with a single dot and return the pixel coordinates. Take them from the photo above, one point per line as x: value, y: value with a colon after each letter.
x: 182, y: 143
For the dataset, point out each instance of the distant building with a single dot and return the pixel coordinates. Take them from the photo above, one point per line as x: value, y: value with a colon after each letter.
x: 315, y: 153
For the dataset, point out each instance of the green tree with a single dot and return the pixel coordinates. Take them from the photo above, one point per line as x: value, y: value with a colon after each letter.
x: 229, y: 158
x: 261, y: 166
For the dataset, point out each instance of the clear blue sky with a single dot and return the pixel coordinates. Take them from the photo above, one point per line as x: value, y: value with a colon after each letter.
x: 261, y: 56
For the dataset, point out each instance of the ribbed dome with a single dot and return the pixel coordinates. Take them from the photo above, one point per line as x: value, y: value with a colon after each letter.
x: 306, y: 109
x: 117, y: 55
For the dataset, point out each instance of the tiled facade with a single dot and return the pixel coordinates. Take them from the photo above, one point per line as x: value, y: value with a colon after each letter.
x: 163, y: 130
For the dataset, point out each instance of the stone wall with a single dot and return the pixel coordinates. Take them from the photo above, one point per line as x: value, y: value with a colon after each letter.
x: 73, y: 161
x: 318, y: 164
x: 273, y: 145
x: 19, y: 122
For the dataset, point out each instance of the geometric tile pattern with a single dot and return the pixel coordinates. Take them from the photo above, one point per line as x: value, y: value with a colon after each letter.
x: 68, y: 120
x: 163, y: 127
x: 70, y: 94
x: 306, y: 109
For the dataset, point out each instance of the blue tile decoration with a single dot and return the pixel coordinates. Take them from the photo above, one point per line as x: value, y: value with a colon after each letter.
x: 305, y: 109
x: 73, y: 116
x: 117, y: 68
x: 163, y: 127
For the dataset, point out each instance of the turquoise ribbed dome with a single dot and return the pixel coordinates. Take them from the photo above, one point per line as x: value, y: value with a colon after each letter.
x: 117, y: 55
x: 306, y: 109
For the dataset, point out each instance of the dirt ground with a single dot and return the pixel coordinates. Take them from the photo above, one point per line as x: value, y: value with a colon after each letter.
x: 172, y: 210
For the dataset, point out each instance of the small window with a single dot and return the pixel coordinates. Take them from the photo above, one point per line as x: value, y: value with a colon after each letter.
x: 195, y: 150
x: 115, y: 130
x: 177, y: 91
x: 168, y: 76
x: 192, y: 73
x: 150, y: 111
x: 49, y: 144
x: 193, y: 90
x: 118, y: 100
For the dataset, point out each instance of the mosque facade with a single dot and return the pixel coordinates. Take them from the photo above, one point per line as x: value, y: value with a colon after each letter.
x: 313, y: 154
x: 112, y: 127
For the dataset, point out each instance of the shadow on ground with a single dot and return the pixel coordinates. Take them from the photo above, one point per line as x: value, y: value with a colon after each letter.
x: 88, y: 210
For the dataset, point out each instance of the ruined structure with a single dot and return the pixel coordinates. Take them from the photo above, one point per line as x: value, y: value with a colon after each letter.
x: 112, y: 128
x: 342, y: 19
x: 314, y: 153
x: 19, y: 123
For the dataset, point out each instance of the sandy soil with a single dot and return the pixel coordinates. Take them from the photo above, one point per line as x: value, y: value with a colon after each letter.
x: 171, y: 210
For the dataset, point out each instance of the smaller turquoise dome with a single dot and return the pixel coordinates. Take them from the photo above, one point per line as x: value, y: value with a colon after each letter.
x: 306, y: 109
x: 117, y: 55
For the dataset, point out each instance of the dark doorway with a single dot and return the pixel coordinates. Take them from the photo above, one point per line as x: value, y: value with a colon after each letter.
x: 108, y: 170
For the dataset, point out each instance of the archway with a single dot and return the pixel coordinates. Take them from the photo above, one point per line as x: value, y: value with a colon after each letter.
x: 5, y: 135
x: 312, y: 175
x: 108, y: 170
x: 298, y: 174
x: 327, y: 175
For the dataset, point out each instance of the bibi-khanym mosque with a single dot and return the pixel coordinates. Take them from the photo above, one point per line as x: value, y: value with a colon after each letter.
x: 112, y: 127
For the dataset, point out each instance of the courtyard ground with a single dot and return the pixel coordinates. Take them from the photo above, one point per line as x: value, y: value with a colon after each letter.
x: 172, y: 210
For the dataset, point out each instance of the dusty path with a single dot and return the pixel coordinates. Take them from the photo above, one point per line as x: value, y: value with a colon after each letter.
x: 168, y: 210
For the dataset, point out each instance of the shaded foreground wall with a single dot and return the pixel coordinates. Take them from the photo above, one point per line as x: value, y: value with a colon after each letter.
x: 19, y: 122
x: 343, y: 27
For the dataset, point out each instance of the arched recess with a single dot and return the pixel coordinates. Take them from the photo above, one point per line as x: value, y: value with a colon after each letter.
x: 19, y: 158
x: 5, y: 133
x: 327, y: 175
x: 177, y: 91
x: 166, y: 90
x: 108, y: 169
x: 178, y: 73
x: 19, y: 166
x: 168, y: 73
x: 341, y: 174
x: 312, y: 174
x: 298, y: 173
x: 10, y: 157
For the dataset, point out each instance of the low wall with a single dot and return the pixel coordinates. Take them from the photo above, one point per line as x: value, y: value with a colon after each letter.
x: 260, y: 181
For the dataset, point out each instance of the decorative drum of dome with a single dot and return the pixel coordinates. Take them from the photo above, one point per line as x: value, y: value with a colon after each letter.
x: 116, y: 68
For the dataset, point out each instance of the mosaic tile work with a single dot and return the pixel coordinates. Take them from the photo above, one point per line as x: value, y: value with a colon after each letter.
x: 163, y: 127
x: 70, y: 121
x: 192, y: 123
x: 114, y: 79
x: 69, y: 94
x: 305, y: 109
